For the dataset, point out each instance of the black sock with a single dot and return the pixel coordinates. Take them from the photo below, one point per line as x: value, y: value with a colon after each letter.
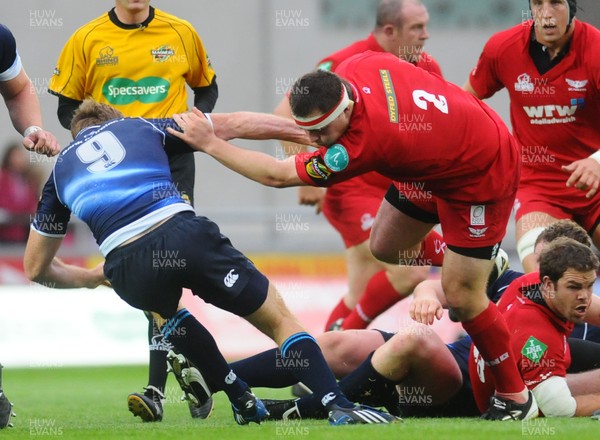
x: 262, y: 370
x: 195, y: 342
x: 158, y: 347
x: 310, y: 407
x: 301, y: 355
x: 366, y: 385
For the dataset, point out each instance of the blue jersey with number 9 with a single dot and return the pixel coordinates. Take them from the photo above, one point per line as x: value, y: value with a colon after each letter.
x: 115, y: 178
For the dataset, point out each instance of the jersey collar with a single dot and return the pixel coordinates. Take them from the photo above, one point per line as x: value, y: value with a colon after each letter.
x: 115, y: 20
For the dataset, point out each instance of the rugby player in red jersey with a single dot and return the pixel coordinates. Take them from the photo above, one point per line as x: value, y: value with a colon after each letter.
x: 467, y: 160
x: 549, y: 68
x: 350, y: 206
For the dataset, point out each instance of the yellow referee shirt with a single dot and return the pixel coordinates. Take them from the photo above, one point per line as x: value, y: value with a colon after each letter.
x: 140, y: 69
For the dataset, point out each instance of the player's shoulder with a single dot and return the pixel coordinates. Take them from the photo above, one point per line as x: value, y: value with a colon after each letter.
x: 505, y: 41
x: 590, y: 30
x: 5, y: 34
x: 332, y: 61
x: 94, y: 25
x: 429, y: 63
x: 178, y: 23
x: 587, y: 38
x: 8, y: 43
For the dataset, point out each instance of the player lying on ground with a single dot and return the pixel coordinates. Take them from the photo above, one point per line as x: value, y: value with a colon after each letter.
x: 413, y: 373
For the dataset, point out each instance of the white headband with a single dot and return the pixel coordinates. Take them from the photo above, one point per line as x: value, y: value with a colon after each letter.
x: 318, y: 122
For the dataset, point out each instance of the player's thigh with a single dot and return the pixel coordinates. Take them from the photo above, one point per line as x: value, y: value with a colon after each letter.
x: 345, y: 350
x: 423, y: 362
x: 399, y: 225
x: 464, y: 281
x: 587, y: 382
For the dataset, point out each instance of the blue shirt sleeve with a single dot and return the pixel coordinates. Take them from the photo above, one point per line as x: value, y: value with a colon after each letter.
x: 52, y: 217
x: 8, y: 52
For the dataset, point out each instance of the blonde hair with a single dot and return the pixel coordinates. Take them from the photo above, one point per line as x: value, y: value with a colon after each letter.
x: 91, y: 113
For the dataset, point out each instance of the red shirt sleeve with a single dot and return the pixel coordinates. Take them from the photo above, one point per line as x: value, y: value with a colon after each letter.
x: 484, y: 78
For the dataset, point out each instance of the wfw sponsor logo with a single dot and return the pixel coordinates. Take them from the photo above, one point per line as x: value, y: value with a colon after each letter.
x: 230, y: 278
x: 554, y: 114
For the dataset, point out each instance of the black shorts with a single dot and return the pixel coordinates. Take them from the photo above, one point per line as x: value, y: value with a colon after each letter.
x: 185, y: 252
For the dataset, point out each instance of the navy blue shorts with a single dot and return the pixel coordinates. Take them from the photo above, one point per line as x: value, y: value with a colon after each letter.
x: 185, y: 252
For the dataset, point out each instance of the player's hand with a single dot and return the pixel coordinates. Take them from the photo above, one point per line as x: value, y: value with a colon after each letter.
x: 42, y: 142
x: 311, y: 196
x: 196, y: 130
x: 97, y: 277
x: 585, y: 175
x: 425, y: 309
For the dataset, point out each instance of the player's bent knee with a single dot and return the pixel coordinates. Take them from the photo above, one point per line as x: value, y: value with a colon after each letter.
x: 381, y: 249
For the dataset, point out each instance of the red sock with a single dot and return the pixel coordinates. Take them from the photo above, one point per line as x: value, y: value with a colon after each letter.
x: 339, y: 311
x: 432, y: 250
x: 491, y: 337
x: 376, y: 299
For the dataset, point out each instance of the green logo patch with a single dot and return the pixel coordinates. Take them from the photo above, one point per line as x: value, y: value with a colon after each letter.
x: 325, y: 66
x: 336, y: 158
x: 122, y: 91
x: 534, y: 349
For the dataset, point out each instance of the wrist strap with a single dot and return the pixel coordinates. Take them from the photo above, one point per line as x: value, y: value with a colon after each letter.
x: 31, y: 129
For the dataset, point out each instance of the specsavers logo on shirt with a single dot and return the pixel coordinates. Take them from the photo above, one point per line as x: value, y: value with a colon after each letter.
x: 123, y: 91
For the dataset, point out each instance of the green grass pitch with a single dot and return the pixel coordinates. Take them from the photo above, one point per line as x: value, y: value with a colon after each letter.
x: 90, y: 403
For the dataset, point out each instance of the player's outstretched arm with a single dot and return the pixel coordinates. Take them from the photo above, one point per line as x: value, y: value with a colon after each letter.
x: 42, y: 266
x: 307, y: 195
x: 256, y: 126
x: 199, y: 134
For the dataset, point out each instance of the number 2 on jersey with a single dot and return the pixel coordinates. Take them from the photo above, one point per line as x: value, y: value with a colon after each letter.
x: 421, y: 98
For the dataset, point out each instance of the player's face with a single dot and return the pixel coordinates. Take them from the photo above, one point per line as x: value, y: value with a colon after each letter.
x: 412, y: 35
x: 329, y: 134
x: 551, y: 18
x: 571, y: 296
